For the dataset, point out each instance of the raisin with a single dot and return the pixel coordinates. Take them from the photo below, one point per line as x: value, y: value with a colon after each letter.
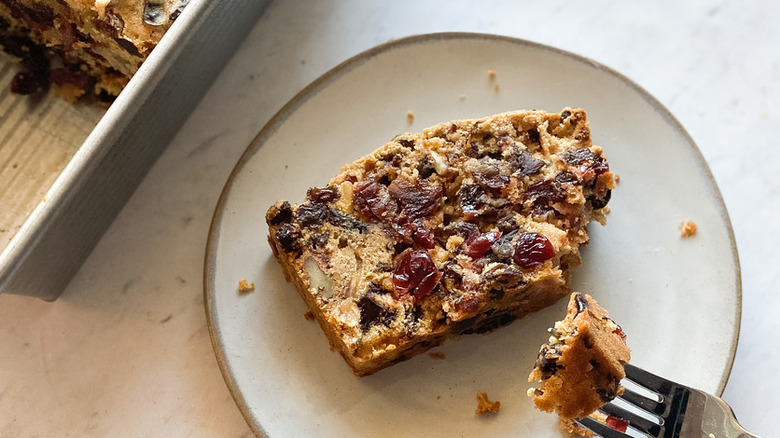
x: 406, y: 143
x: 415, y: 274
x: 372, y: 313
x: 605, y: 395
x: 581, y: 303
x: 342, y: 220
x: 463, y: 229
x: 283, y: 215
x: 507, y: 223
x: 545, y: 192
x: 533, y: 135
x: 527, y: 164
x: 322, y: 194
x: 312, y: 215
x: 565, y: 115
x: 471, y: 198
x: 502, y: 248
x: 597, y: 202
x: 425, y: 168
x: 318, y: 240
x: 289, y: 237
x: 547, y: 361
x: 566, y: 177
x: 586, y: 158
x: 154, y: 13
x: 496, y: 294
x: 533, y: 249
x: 176, y: 12
x: 488, y: 174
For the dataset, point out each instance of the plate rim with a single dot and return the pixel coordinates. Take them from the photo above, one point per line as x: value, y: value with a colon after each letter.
x: 209, y: 292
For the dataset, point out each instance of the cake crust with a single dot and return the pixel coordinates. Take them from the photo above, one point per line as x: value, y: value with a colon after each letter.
x: 459, y: 229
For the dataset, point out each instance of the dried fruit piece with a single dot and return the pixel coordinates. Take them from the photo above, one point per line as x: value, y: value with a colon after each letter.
x: 533, y: 249
x: 415, y: 274
x: 479, y: 244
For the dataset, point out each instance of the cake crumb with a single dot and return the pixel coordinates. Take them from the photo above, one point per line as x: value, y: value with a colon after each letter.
x: 410, y: 117
x: 711, y: 435
x: 492, y: 74
x: 688, y: 228
x: 617, y: 177
x: 437, y: 355
x: 485, y: 406
x: 245, y: 286
x: 462, y: 97
x: 308, y: 316
x: 496, y: 88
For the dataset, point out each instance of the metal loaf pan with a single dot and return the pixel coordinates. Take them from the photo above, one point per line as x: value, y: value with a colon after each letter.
x: 49, y: 245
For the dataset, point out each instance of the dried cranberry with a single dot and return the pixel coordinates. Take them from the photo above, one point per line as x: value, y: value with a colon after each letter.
x: 616, y: 423
x: 372, y: 199
x: 533, y: 249
x: 479, y: 244
x: 415, y: 274
x: 619, y: 331
x: 423, y: 237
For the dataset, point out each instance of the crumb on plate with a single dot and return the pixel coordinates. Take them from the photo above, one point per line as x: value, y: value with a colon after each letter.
x: 245, y: 286
x: 309, y: 316
x: 492, y: 74
x: 485, y: 406
x: 688, y: 228
x: 410, y: 117
x: 437, y: 355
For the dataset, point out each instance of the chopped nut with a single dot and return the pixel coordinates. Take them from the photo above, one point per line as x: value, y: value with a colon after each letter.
x: 485, y: 406
x: 688, y: 229
x: 245, y: 286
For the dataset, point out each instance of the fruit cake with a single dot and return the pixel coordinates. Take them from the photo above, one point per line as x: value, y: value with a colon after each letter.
x: 100, y: 43
x: 581, y: 365
x: 459, y: 229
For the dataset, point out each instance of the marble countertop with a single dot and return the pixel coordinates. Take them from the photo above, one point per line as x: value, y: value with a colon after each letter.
x: 126, y: 352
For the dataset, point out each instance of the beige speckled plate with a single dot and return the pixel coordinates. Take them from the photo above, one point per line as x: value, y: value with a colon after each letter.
x: 677, y: 299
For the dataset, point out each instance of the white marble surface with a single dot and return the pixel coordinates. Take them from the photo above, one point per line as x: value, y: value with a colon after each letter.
x: 125, y: 350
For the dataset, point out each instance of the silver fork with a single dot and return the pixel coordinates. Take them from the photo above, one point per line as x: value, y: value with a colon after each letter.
x: 679, y: 411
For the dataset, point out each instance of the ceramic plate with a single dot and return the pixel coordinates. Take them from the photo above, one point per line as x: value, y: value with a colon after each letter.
x: 677, y: 299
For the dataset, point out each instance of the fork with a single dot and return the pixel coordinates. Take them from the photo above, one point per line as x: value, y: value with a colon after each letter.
x: 681, y: 412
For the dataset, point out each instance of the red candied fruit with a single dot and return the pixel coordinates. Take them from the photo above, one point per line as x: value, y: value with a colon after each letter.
x: 415, y: 274
x: 478, y: 244
x: 533, y: 249
x: 616, y: 423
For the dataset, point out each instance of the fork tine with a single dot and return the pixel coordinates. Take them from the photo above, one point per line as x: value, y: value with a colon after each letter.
x: 648, y: 380
x: 642, y: 401
x: 600, y: 428
x: 637, y: 422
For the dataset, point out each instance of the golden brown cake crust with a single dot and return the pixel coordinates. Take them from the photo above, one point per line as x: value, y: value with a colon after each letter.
x: 459, y: 229
x: 581, y: 366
